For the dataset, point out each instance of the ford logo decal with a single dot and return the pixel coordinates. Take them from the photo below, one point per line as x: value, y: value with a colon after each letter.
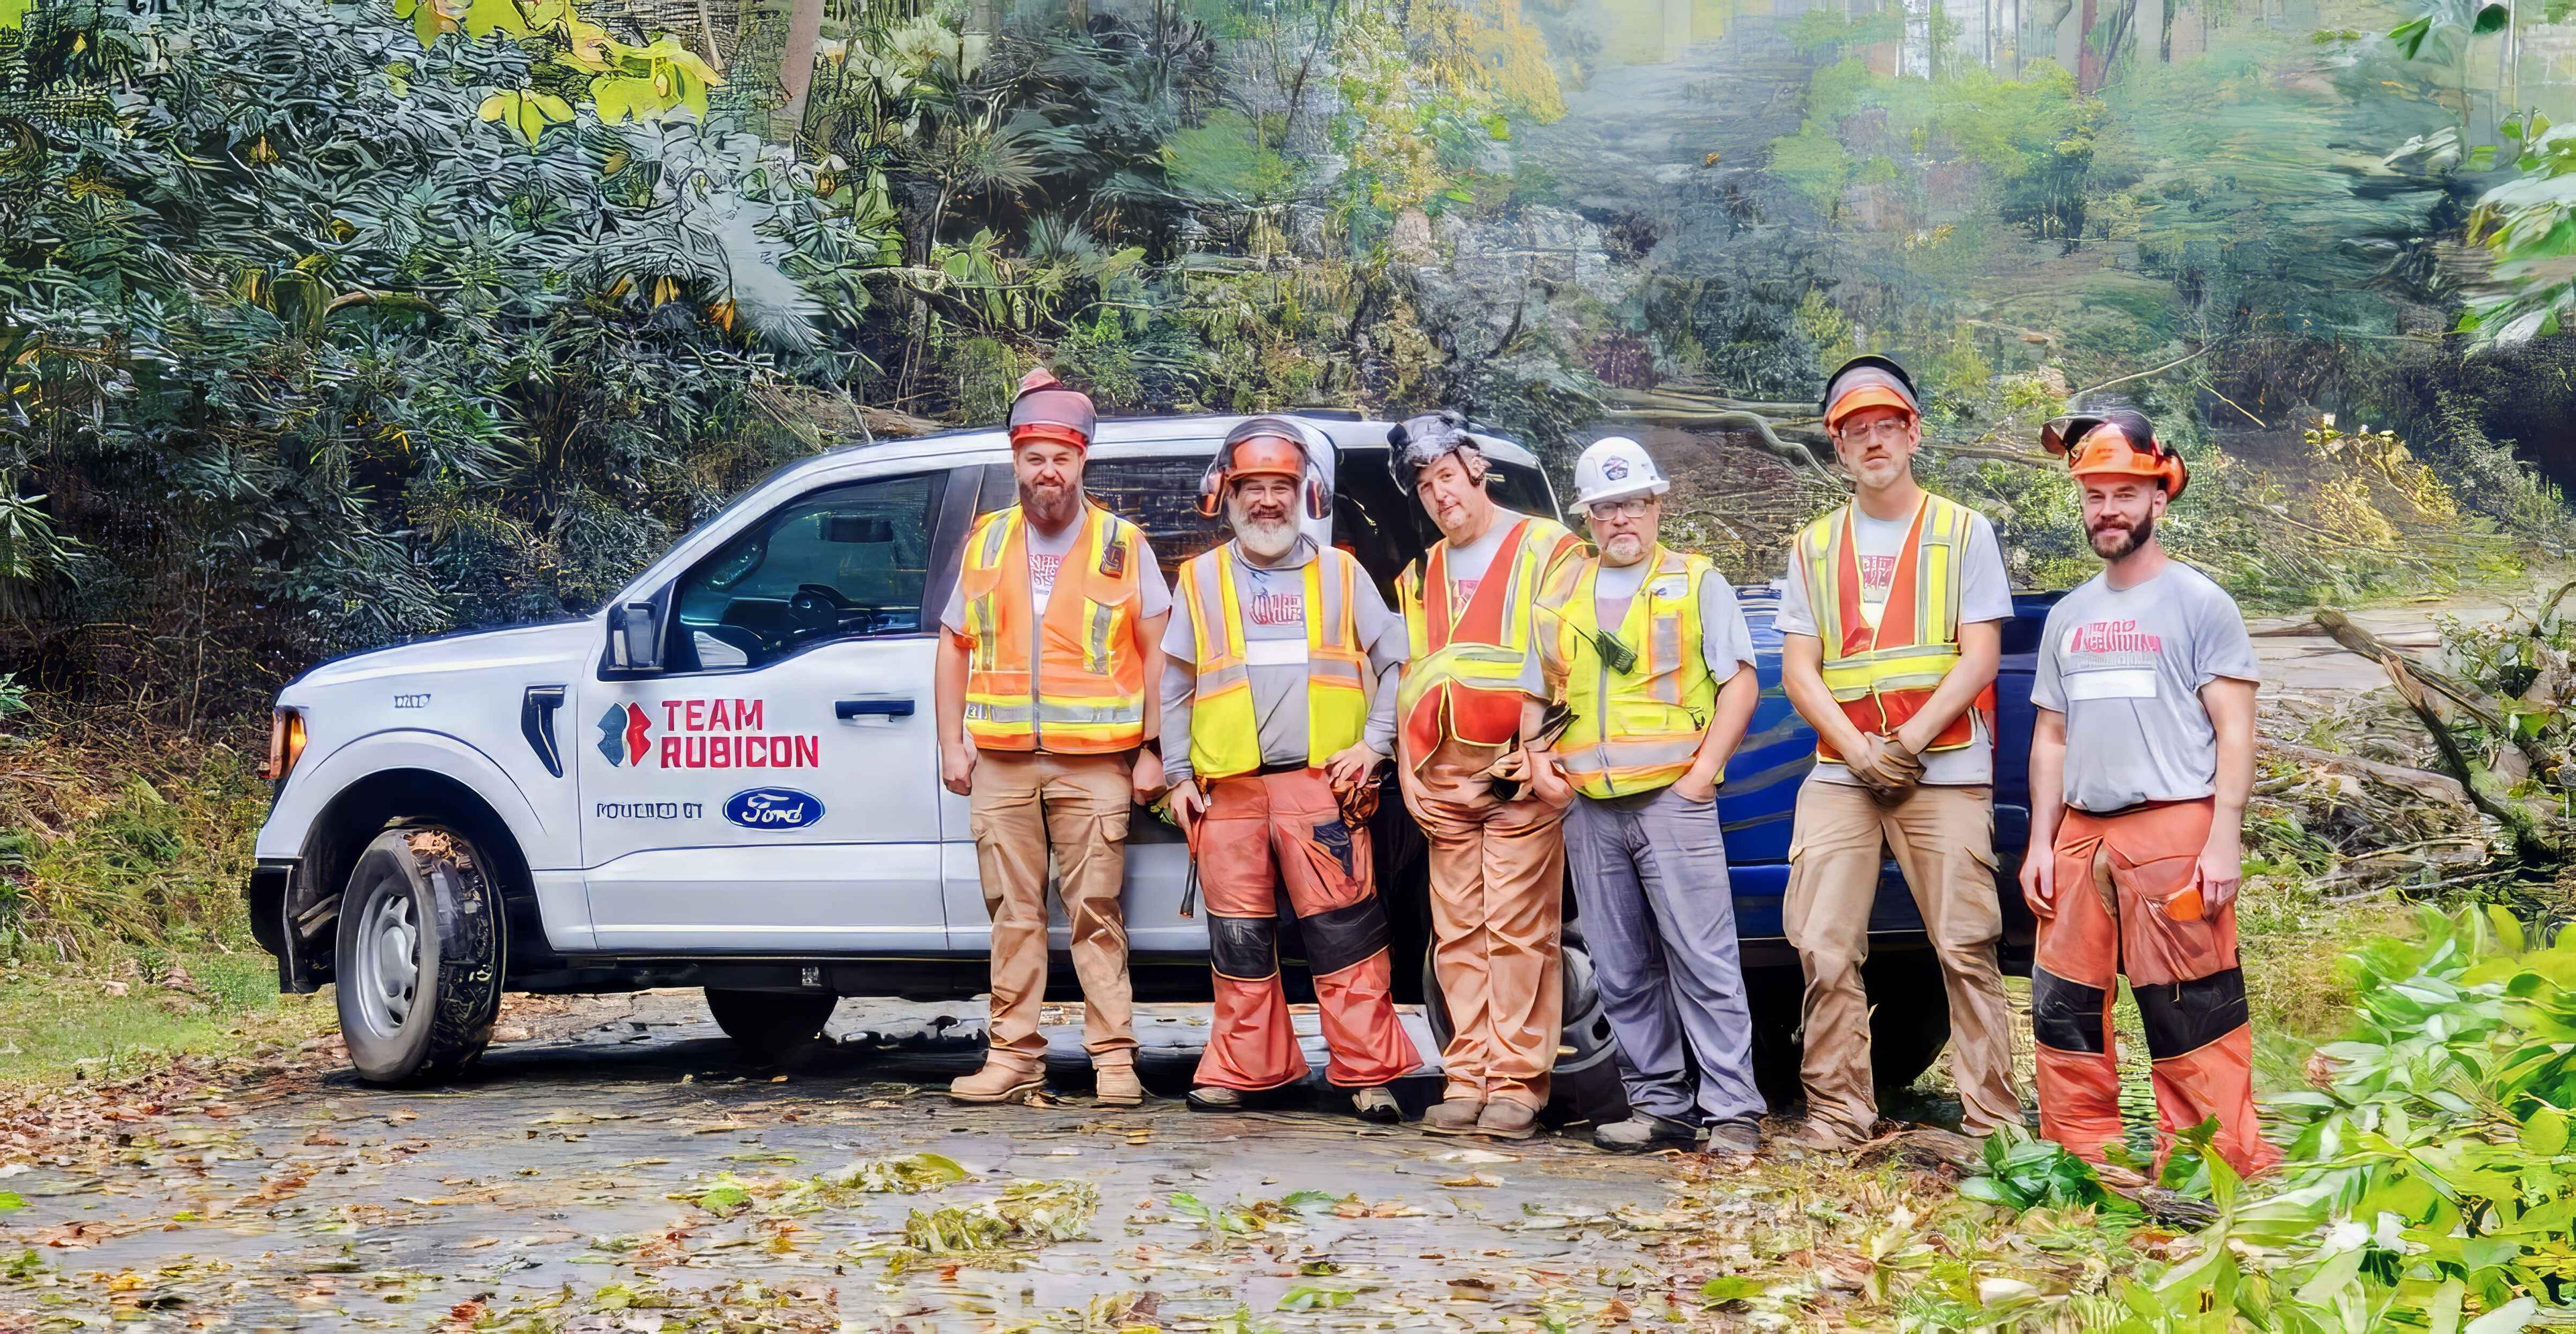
x: 774, y: 808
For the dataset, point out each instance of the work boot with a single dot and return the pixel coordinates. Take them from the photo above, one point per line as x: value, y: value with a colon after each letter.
x: 1214, y: 1098
x: 1000, y: 1081
x: 1644, y: 1131
x: 1817, y: 1136
x: 1374, y: 1103
x: 1506, y: 1119
x: 1117, y: 1086
x: 1454, y: 1116
x: 1740, y: 1139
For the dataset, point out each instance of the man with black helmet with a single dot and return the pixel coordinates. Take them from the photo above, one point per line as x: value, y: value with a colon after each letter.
x: 1473, y: 761
x: 1891, y: 636
x: 1279, y: 674
x: 2135, y: 837
x: 1045, y: 705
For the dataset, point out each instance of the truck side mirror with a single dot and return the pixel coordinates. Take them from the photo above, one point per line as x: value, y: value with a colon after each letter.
x: 634, y: 638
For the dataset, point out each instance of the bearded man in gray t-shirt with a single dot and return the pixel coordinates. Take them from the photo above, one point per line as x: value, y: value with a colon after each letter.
x: 2140, y: 765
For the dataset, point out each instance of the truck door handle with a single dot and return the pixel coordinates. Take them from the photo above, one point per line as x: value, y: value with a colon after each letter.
x: 847, y: 709
x: 537, y: 724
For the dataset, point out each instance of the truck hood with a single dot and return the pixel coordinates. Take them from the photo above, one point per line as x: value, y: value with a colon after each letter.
x: 556, y: 642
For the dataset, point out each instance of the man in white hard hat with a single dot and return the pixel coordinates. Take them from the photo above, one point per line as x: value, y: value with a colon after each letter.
x: 1658, y: 674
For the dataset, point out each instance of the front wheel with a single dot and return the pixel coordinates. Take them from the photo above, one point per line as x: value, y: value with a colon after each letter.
x: 771, y: 1025
x: 418, y: 958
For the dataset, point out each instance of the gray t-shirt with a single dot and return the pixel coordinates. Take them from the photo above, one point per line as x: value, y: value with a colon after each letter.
x: 1273, y: 599
x: 1985, y: 594
x: 1046, y: 556
x: 1726, y: 644
x: 2125, y: 665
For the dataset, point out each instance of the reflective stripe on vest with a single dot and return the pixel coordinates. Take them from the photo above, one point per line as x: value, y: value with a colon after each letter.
x: 1471, y: 667
x: 1225, y: 735
x: 1884, y: 675
x: 1637, y: 730
x: 1087, y: 692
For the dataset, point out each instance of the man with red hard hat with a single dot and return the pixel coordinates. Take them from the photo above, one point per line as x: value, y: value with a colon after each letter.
x: 2149, y: 664
x: 1045, y: 707
x: 1891, y: 635
x: 1279, y: 676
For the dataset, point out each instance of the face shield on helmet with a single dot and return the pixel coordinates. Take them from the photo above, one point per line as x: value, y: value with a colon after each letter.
x: 1417, y: 443
x: 1046, y: 410
x: 1265, y: 447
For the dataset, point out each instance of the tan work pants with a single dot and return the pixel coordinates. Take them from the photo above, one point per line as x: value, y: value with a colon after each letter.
x: 1943, y: 838
x: 1497, y: 929
x: 1024, y: 807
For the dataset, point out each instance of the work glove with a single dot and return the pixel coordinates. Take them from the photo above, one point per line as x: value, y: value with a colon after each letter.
x: 1888, y: 770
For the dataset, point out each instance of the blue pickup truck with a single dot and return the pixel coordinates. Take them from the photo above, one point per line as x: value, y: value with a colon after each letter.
x: 726, y: 778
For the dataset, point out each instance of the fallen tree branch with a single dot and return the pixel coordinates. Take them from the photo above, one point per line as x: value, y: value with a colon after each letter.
x: 2422, y: 782
x: 1933, y: 1147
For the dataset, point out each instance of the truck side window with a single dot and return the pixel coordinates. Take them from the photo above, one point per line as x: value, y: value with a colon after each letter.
x: 844, y: 563
x: 1159, y: 495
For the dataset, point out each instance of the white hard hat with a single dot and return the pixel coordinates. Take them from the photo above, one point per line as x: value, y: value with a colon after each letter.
x: 1615, y: 469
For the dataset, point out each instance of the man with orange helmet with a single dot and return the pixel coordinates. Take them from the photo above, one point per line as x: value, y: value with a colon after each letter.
x: 1890, y: 637
x: 2148, y: 663
x: 1279, y: 676
x: 1045, y: 706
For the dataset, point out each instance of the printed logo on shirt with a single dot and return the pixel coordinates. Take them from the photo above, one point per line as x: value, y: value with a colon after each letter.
x: 2113, y: 637
x: 1042, y: 572
x: 2111, y: 660
x: 1279, y: 609
x: 1876, y: 573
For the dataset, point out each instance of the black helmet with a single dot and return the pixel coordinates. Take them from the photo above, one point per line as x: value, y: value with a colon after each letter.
x: 1418, y: 442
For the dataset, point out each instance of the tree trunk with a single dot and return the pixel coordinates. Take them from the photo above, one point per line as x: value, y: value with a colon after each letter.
x: 2164, y: 41
x: 2088, y: 67
x: 796, y: 64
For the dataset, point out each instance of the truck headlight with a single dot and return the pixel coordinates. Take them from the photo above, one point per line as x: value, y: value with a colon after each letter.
x: 285, y: 744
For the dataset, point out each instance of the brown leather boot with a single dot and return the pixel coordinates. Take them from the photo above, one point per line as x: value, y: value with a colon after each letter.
x: 1117, y: 1086
x: 1454, y: 1116
x: 1001, y: 1080
x: 1506, y: 1119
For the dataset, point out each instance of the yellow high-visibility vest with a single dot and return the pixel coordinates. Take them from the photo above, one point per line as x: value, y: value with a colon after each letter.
x: 1883, y: 675
x: 1071, y: 681
x: 1225, y: 736
x: 1637, y: 730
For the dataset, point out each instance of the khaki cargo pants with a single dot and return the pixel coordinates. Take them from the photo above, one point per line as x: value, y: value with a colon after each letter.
x: 1943, y: 838
x: 1028, y: 807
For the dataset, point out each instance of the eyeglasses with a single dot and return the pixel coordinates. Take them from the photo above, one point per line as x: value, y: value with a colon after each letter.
x: 1888, y: 429
x: 1634, y: 507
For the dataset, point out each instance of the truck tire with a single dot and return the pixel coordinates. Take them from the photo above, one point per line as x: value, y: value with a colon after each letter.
x: 419, y: 956
x: 1584, y: 1086
x: 1909, y: 1022
x: 771, y: 1025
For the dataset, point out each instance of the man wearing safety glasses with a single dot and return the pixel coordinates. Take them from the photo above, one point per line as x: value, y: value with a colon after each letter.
x: 1658, y: 672
x: 1891, y: 635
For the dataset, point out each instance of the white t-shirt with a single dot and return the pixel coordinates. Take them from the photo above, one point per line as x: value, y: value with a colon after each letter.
x: 1985, y: 594
x: 1726, y: 643
x: 1046, y: 557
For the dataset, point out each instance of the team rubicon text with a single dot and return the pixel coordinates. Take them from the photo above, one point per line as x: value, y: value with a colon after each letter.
x: 703, y: 734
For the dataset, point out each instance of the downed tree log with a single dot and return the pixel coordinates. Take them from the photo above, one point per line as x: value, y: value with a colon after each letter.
x: 1932, y: 1147
x: 2536, y: 836
x: 2422, y: 782
x: 1797, y: 454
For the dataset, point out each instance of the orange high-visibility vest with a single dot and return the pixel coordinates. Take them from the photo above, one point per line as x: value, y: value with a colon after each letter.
x: 1471, y: 667
x: 1087, y: 693
x: 1884, y: 676
x: 1225, y: 737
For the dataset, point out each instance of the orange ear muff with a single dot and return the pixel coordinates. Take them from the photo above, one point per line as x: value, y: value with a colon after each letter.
x: 1211, y: 499
x: 1319, y: 502
x: 2176, y: 476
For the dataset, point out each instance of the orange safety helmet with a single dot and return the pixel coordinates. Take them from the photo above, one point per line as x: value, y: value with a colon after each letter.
x: 1264, y: 447
x: 2120, y: 441
x: 1046, y: 410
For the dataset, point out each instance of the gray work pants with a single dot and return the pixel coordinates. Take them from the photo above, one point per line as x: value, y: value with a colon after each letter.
x: 1658, y: 915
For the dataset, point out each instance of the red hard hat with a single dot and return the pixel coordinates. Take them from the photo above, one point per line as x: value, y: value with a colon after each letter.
x: 1046, y: 410
x: 2121, y: 441
x: 1262, y: 447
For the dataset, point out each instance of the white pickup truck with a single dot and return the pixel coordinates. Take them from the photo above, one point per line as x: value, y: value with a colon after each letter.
x: 726, y: 778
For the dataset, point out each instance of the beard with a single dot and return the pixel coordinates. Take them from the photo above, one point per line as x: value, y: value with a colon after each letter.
x: 1624, y: 549
x: 2114, y: 540
x: 1050, y: 507
x: 1264, y: 537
